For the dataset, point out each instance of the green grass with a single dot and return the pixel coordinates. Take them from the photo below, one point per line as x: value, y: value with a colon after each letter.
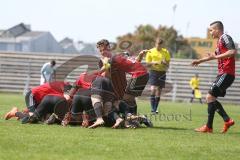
x: 171, y: 138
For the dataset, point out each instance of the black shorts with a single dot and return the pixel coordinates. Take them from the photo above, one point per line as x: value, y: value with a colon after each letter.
x: 53, y: 104
x: 220, y: 85
x: 82, y: 102
x: 102, y: 86
x: 136, y: 86
x: 157, y: 78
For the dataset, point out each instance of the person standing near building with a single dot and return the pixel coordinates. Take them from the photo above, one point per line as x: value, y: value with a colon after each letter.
x: 225, y: 55
x: 194, y: 84
x: 48, y: 72
x: 157, y: 60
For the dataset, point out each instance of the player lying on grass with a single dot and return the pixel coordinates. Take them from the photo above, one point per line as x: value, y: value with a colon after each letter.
x: 40, y: 96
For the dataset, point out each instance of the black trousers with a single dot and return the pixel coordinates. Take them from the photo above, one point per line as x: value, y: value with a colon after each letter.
x: 52, y: 104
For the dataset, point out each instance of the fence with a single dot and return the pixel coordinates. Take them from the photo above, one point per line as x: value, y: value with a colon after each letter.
x: 19, y: 71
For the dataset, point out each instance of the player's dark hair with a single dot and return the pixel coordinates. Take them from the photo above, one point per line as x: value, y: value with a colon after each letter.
x: 219, y: 25
x: 160, y: 40
x: 103, y: 42
x: 53, y: 62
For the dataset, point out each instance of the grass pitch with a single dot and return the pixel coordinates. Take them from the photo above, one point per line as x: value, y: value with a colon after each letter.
x: 171, y: 138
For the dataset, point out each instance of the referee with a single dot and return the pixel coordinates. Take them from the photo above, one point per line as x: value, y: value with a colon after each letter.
x: 157, y: 60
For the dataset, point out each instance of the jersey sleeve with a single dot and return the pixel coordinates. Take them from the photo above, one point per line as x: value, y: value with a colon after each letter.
x: 148, y: 57
x: 168, y: 57
x: 228, y: 41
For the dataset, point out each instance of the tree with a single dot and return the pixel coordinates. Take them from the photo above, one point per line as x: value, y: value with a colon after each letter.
x: 144, y: 38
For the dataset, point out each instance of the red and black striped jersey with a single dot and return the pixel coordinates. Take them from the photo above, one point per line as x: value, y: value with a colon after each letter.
x: 53, y: 88
x: 226, y: 65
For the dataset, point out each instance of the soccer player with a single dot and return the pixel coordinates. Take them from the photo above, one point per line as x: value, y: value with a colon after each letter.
x: 120, y: 66
x: 194, y: 84
x: 81, y: 101
x: 225, y: 55
x: 34, y: 96
x: 157, y: 60
x: 51, y: 103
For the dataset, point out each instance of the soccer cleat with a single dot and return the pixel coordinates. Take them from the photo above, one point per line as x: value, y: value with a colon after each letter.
x: 146, y: 121
x: 25, y: 120
x: 11, y: 113
x: 33, y: 118
x: 30, y: 119
x: 51, y: 119
x: 66, y: 119
x: 227, y: 125
x: 204, y: 129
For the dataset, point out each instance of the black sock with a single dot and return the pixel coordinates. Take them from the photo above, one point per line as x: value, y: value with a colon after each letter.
x: 123, y: 108
x: 133, y: 110
x: 221, y: 111
x: 157, y: 100
x: 211, y: 112
x: 152, y: 101
x: 98, y: 109
x: 133, y: 107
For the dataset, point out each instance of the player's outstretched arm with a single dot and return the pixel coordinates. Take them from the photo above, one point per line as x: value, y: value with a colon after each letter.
x: 210, y: 57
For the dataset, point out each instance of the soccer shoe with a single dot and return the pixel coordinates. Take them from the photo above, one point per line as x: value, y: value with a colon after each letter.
x: 25, y: 120
x: 66, y: 119
x: 146, y: 121
x: 227, y: 125
x: 11, y: 113
x: 51, y: 119
x: 204, y: 129
x: 33, y: 118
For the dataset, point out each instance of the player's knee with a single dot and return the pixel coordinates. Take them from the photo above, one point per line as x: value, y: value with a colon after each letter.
x: 210, y: 98
x: 96, y: 99
x: 154, y: 90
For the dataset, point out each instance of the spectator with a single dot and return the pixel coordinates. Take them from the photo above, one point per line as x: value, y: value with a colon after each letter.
x: 48, y: 72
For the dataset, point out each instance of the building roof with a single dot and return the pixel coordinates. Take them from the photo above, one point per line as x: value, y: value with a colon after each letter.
x: 32, y: 34
x: 16, y: 31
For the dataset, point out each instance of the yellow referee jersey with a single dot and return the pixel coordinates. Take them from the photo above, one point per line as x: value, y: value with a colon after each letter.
x: 157, y: 56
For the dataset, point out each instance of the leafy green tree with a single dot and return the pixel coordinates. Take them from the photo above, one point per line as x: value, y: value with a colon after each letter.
x: 144, y: 38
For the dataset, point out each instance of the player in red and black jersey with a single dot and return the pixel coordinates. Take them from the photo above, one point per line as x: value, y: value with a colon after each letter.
x: 42, y: 100
x: 225, y: 54
x: 36, y: 94
x: 121, y: 65
x: 80, y: 94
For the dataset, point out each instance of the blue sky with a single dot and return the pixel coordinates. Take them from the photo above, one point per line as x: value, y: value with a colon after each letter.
x: 91, y: 20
